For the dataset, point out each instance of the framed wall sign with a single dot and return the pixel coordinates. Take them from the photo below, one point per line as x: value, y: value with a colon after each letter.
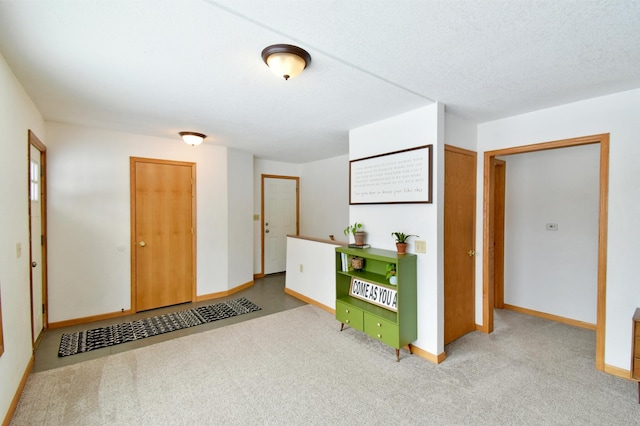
x: 395, y: 177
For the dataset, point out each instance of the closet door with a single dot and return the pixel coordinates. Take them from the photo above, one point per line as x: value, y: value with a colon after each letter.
x: 163, y: 233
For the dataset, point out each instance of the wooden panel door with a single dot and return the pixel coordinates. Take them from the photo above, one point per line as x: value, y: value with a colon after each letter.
x: 163, y: 232
x: 459, y: 242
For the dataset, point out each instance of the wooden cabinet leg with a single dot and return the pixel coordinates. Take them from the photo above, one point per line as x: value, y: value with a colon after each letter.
x: 341, y: 326
x: 410, y: 348
x: 397, y: 355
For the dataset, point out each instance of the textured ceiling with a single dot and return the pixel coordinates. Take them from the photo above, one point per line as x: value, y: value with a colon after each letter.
x: 157, y: 67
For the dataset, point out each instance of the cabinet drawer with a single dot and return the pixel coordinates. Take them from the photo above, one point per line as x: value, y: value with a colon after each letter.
x: 636, y: 329
x: 349, y: 315
x: 383, y: 330
x: 636, y: 348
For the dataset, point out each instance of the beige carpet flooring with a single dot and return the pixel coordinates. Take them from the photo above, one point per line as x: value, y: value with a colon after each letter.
x: 295, y: 367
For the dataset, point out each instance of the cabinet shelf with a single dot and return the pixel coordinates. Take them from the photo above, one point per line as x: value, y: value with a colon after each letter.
x: 394, y: 328
x: 368, y: 276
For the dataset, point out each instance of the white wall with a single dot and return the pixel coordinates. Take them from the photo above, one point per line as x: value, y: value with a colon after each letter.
x: 324, y: 198
x: 419, y: 127
x: 460, y: 132
x: 89, y: 216
x: 616, y: 114
x: 17, y: 115
x: 240, y: 211
x: 311, y: 270
x: 553, y: 271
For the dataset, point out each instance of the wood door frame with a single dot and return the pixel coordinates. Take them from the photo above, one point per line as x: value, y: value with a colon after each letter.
x: 497, y: 212
x: 267, y: 176
x: 1, y: 329
x: 473, y: 154
x: 132, y: 190
x: 487, y: 295
x: 34, y: 141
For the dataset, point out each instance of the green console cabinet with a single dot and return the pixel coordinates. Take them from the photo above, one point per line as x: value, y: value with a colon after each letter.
x: 366, y: 301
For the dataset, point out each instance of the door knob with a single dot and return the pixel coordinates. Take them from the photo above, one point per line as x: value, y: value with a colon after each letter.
x: 142, y: 244
x: 34, y: 264
x: 471, y: 253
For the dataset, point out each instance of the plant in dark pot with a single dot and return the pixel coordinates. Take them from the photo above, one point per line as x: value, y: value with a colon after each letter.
x: 358, y: 233
x: 401, y: 241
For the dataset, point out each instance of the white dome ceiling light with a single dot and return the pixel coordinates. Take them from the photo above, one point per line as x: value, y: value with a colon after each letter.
x: 192, y: 138
x: 285, y: 60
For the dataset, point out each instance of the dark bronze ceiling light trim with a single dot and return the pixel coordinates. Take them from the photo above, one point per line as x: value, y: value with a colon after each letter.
x: 286, y: 60
x: 192, y: 138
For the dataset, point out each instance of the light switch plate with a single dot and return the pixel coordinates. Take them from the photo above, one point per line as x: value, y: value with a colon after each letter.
x: 421, y: 246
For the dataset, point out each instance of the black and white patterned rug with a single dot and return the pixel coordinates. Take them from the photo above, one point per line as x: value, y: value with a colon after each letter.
x: 88, y: 340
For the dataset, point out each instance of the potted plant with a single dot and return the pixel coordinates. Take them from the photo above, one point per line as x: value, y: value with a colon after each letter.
x: 401, y: 241
x: 358, y: 233
x: 391, y: 273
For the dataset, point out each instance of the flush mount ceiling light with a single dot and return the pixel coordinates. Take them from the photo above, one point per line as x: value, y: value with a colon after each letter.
x: 192, y: 138
x: 285, y: 60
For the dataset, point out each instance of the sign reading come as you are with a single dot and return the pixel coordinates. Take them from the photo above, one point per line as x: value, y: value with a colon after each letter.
x: 374, y: 293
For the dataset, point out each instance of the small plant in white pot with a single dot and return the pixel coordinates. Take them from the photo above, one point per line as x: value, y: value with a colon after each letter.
x: 391, y: 273
x: 358, y: 233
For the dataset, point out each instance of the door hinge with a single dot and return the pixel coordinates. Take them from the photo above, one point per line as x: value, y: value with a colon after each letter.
x: 43, y: 308
x: 41, y: 240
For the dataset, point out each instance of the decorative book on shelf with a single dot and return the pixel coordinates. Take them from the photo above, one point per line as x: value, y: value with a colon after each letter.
x: 366, y: 301
x: 362, y: 246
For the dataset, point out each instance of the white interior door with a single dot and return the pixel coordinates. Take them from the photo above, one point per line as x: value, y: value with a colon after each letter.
x: 35, y: 196
x: 280, y: 218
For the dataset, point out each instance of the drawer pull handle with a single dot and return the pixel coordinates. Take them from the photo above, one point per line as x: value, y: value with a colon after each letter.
x: 379, y: 336
x: 379, y: 325
x: 347, y: 321
x: 346, y: 310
